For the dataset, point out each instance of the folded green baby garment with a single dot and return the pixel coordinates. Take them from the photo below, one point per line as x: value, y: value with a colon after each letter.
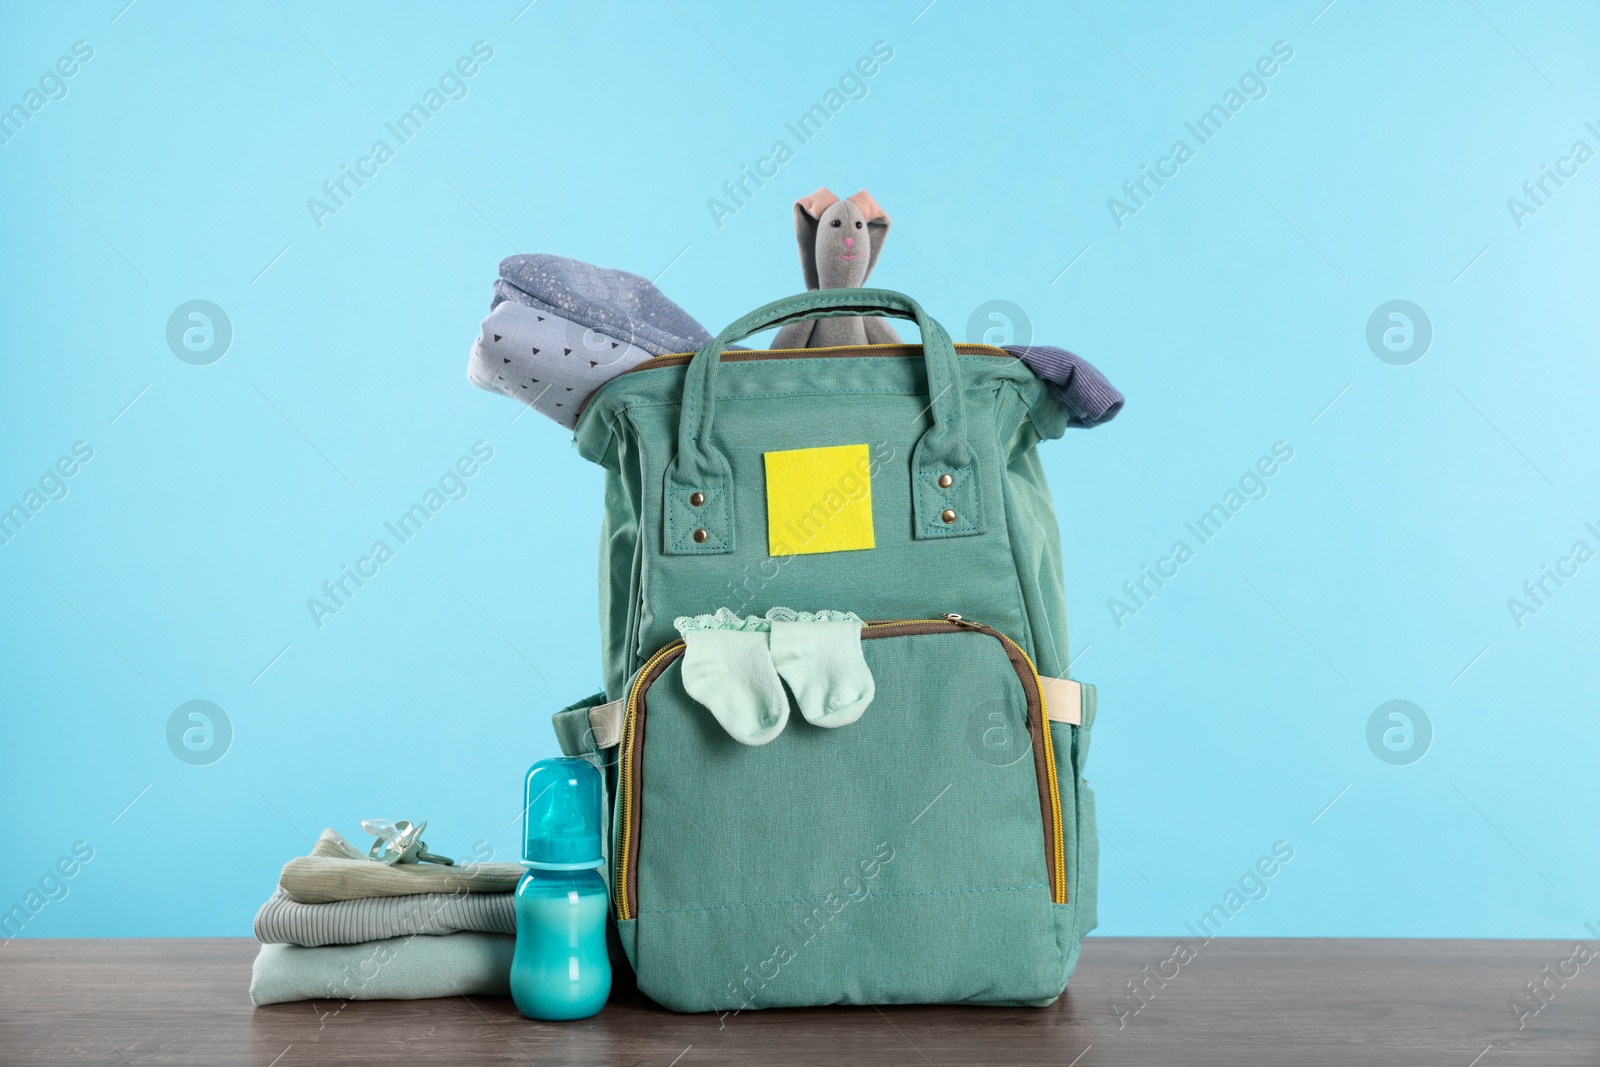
x: 400, y: 968
x: 337, y: 870
x: 283, y: 920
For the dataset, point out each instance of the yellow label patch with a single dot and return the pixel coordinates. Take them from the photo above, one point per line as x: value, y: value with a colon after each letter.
x: 819, y: 500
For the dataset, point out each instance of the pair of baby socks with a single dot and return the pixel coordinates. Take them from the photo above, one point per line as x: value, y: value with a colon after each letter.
x: 736, y: 669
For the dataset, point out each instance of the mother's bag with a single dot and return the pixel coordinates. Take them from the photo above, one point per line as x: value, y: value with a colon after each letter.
x: 942, y: 848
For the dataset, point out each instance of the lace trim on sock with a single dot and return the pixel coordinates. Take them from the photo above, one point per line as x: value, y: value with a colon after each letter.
x: 724, y: 619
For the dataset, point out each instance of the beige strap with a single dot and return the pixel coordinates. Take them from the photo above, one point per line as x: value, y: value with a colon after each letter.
x: 1063, y: 700
x: 605, y: 723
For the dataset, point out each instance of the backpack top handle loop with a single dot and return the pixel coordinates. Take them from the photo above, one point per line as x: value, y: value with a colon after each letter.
x: 698, y: 491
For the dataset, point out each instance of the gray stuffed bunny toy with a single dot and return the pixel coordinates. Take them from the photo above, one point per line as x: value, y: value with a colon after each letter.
x: 839, y: 245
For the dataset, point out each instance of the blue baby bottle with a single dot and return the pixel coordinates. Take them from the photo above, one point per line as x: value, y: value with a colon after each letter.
x: 560, y: 969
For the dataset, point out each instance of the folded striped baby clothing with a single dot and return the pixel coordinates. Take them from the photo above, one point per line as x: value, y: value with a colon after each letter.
x: 284, y: 921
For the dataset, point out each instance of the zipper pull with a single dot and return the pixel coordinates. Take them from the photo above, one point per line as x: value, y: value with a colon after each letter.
x: 957, y: 620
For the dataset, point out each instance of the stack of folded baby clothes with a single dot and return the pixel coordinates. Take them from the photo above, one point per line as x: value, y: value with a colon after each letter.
x: 342, y: 927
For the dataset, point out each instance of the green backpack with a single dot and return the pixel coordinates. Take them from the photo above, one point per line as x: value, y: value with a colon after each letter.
x: 942, y: 849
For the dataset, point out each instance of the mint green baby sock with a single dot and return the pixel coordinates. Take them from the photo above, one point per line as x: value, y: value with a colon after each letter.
x: 822, y: 662
x: 731, y: 673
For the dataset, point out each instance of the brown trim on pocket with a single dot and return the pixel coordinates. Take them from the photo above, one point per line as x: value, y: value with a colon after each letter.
x: 631, y: 752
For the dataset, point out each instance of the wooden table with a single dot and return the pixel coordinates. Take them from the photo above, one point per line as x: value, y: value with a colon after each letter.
x: 1238, y: 1001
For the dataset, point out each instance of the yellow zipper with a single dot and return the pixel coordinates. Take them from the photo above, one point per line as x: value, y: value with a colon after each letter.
x: 625, y: 765
x: 1060, y: 857
x: 625, y: 771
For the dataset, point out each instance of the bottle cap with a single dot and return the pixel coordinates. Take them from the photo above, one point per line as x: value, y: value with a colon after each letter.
x: 561, y: 816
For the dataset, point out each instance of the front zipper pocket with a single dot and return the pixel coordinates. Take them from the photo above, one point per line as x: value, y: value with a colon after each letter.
x: 922, y: 844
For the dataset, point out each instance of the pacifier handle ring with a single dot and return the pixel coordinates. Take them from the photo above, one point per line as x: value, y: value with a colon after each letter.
x: 422, y: 855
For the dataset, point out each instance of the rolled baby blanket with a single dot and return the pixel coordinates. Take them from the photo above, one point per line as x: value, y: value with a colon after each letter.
x: 400, y: 968
x: 560, y: 328
x: 550, y: 363
x: 283, y: 920
x: 337, y: 870
x: 614, y: 302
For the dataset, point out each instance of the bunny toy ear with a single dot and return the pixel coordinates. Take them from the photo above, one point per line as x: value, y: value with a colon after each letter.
x: 807, y: 210
x: 877, y: 224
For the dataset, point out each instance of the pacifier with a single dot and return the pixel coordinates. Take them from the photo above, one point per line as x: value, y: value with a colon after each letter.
x: 400, y: 842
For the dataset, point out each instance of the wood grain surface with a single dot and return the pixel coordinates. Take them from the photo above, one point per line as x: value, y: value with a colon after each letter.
x: 1321, y: 1003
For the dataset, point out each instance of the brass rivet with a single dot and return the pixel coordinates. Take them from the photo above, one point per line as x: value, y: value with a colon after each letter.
x: 700, y: 535
x: 944, y: 481
x: 697, y: 499
x: 948, y: 516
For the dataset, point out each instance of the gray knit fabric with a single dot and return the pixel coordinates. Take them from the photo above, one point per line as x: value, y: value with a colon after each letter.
x: 1088, y: 397
x: 283, y: 921
x: 614, y: 302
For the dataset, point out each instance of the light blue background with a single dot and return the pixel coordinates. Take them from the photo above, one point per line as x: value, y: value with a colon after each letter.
x: 1231, y: 309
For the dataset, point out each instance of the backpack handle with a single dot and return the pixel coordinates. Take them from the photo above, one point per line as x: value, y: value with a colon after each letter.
x: 944, y: 491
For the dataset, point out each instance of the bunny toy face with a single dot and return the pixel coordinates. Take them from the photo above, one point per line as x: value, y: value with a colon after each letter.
x: 839, y: 239
x: 845, y: 247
